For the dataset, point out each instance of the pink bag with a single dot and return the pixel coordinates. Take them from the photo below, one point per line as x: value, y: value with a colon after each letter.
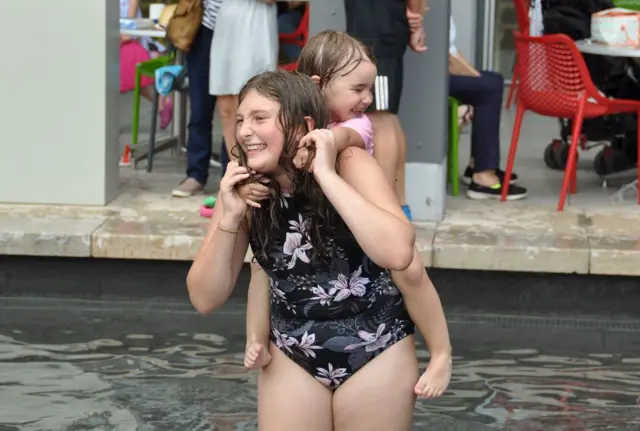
x: 132, y: 53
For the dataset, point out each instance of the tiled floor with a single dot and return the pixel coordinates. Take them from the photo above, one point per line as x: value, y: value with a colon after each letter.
x: 544, y: 184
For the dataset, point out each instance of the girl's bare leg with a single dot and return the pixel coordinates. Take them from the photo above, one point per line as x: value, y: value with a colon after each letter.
x: 290, y: 399
x: 401, y: 161
x: 227, y: 107
x: 380, y: 395
x: 425, y: 309
x: 258, y: 319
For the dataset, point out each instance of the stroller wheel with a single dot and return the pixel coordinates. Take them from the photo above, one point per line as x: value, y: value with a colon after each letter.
x: 561, y: 154
x: 549, y: 160
x: 609, y: 161
x: 599, y: 163
x: 550, y: 154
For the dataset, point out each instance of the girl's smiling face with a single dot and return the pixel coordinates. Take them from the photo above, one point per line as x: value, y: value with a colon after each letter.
x: 348, y: 94
x: 259, y: 132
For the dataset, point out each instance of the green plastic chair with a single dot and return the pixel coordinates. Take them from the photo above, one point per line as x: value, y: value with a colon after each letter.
x: 146, y: 68
x: 453, y: 177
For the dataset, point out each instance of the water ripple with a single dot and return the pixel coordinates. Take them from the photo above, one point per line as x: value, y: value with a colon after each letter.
x: 199, y: 382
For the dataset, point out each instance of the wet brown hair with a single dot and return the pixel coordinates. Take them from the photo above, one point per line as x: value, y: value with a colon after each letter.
x: 329, y: 53
x: 298, y: 97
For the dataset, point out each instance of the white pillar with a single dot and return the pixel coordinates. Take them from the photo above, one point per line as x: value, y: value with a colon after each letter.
x: 59, y: 101
x: 424, y: 117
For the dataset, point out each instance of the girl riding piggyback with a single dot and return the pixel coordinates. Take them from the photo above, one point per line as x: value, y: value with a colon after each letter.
x: 344, y: 69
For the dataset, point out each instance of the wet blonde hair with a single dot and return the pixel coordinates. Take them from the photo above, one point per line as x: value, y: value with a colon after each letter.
x: 330, y: 53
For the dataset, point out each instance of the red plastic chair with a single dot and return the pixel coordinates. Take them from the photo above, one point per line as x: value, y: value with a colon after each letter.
x: 301, y: 34
x: 554, y: 81
x: 522, y: 17
x: 289, y: 67
x: 299, y: 37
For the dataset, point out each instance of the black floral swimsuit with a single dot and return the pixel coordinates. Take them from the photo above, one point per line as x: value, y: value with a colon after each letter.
x: 330, y: 319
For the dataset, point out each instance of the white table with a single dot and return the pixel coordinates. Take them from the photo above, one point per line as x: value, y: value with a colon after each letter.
x: 589, y: 47
x: 179, y: 127
x: 150, y: 32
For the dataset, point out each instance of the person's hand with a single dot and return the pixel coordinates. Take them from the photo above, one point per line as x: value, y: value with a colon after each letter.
x: 417, y: 40
x: 415, y: 19
x: 323, y: 143
x: 235, y: 207
x: 125, y: 38
x: 254, y: 192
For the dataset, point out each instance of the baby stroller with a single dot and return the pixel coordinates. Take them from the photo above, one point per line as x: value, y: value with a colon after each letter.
x: 614, y: 76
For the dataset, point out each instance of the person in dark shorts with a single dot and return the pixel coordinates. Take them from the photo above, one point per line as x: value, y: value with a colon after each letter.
x: 383, y: 25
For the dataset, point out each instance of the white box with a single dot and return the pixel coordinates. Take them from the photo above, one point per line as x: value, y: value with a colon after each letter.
x: 155, y: 10
x: 616, y: 27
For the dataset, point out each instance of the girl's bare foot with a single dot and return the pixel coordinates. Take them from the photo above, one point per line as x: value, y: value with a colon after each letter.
x: 256, y: 356
x: 417, y: 40
x: 436, y: 378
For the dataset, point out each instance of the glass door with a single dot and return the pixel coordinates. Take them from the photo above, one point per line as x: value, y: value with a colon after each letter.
x: 498, y: 49
x: 505, y: 22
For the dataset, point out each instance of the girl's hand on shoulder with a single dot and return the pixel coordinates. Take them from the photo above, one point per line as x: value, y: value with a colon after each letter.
x: 254, y: 192
x: 322, y: 142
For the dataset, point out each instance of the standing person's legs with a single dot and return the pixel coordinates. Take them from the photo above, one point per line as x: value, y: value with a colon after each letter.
x: 288, y: 22
x: 481, y: 93
x: 385, y: 150
x: 390, y: 144
x: 484, y: 94
x: 400, y: 186
x: 290, y: 399
x: 380, y: 395
x: 201, y: 105
x: 227, y: 107
x: 224, y: 158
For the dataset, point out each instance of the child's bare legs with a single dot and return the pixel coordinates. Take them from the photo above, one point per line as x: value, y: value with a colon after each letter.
x: 227, y: 107
x: 257, y: 354
x: 425, y: 309
x: 420, y: 296
x: 435, y: 380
